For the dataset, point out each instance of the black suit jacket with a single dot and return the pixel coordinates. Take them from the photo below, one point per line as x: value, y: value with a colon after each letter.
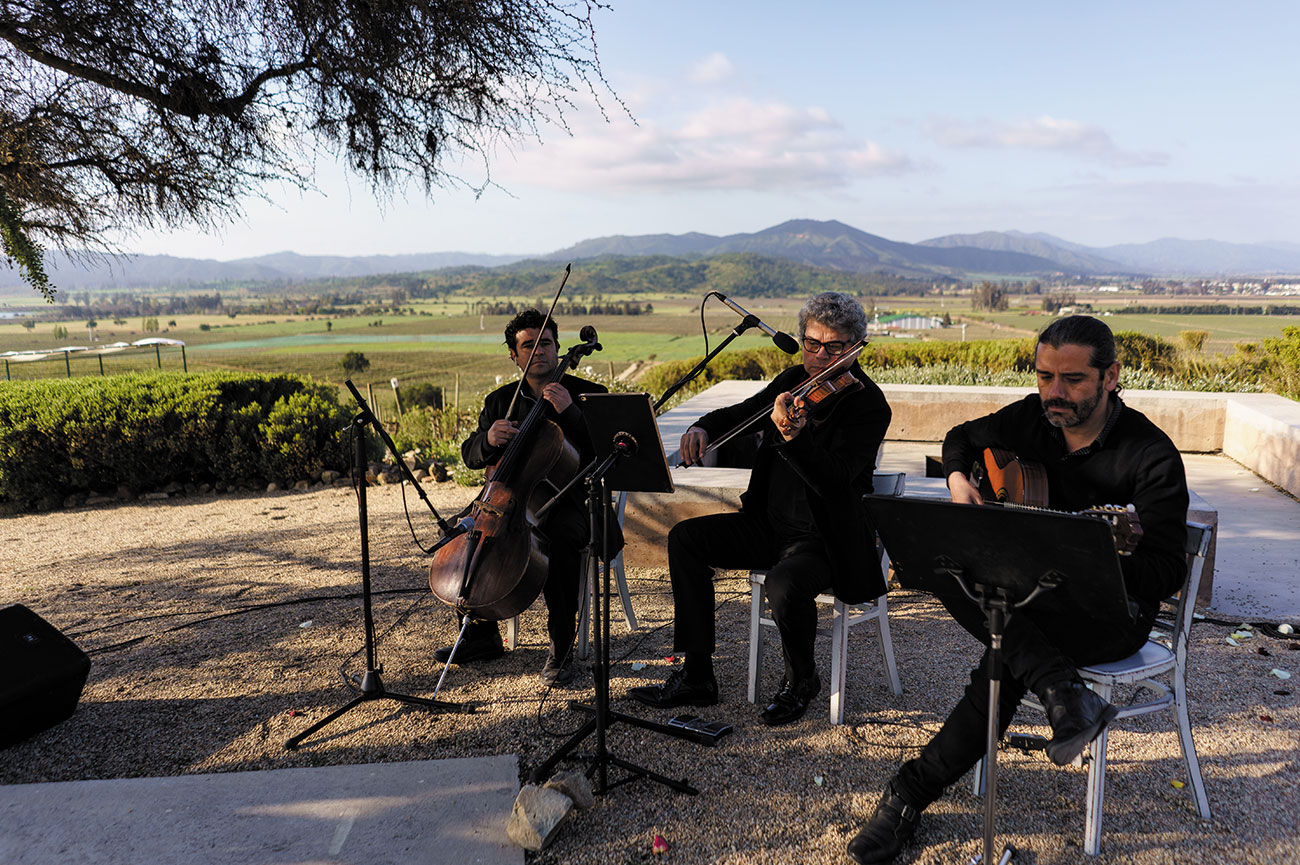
x: 835, y: 456
x: 477, y: 453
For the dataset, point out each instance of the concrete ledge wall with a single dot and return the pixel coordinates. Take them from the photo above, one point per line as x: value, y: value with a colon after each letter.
x: 1260, y: 431
x: 926, y: 412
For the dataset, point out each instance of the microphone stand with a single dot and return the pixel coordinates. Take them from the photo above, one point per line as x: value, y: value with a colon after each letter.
x: 745, y: 324
x: 371, y: 684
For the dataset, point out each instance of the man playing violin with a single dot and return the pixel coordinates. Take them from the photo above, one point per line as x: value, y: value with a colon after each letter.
x: 566, y: 524
x: 802, y: 518
x: 1095, y: 450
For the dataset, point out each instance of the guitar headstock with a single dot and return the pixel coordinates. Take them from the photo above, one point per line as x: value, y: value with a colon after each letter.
x: 1124, y: 525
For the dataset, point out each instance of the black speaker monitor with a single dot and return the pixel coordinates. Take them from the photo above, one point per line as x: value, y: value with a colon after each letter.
x: 43, y: 678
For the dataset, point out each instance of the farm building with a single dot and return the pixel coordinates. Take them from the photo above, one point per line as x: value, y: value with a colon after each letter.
x: 908, y: 321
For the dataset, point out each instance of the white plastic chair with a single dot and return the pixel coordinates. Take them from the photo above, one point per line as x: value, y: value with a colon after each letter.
x: 589, y: 588
x: 843, y: 617
x: 1153, y: 659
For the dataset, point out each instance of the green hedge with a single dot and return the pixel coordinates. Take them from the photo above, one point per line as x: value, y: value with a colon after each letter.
x: 144, y: 431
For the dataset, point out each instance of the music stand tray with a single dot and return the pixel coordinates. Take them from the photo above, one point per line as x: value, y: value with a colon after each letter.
x: 1004, y: 547
x: 627, y: 420
x: 1003, y: 559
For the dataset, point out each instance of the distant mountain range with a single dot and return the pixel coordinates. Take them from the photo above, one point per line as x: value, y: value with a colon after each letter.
x: 815, y: 243
x: 153, y: 271
x: 990, y: 253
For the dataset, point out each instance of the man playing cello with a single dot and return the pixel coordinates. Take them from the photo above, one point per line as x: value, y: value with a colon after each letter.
x: 566, y: 524
x: 801, y: 519
x: 1095, y: 450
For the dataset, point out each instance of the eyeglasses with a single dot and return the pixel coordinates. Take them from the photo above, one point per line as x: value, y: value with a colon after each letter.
x: 833, y: 349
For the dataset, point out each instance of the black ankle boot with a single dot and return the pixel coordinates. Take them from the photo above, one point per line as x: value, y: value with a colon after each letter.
x: 1077, y: 716
x: 482, y: 642
x: 887, y: 832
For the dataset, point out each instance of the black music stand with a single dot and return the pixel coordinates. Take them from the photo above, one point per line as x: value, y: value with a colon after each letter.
x: 1003, y: 559
x: 371, y: 684
x: 629, y: 457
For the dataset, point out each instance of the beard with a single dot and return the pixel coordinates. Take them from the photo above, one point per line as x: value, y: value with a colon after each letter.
x: 1076, y: 413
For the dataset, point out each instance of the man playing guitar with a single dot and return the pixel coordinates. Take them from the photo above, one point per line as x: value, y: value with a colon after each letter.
x: 1095, y: 450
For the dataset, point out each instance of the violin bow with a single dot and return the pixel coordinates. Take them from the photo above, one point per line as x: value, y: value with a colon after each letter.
x: 523, y: 373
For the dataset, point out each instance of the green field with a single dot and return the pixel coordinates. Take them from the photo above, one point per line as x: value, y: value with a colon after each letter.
x: 446, y: 342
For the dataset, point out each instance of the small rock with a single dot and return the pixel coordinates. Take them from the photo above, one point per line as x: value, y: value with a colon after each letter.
x: 575, y: 785
x: 173, y: 487
x: 124, y: 492
x: 75, y: 500
x: 329, y: 476
x: 204, y: 489
x: 301, y: 486
x: 190, y: 489
x: 536, y: 816
x: 272, y: 487
x: 153, y: 497
x: 421, y: 474
x: 99, y: 500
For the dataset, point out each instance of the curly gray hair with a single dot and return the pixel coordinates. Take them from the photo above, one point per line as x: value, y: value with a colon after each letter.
x: 835, y: 310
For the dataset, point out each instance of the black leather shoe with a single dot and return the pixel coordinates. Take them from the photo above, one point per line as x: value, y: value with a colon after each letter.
x: 677, y: 690
x: 887, y: 832
x: 557, y: 672
x: 791, y: 701
x: 473, y: 650
x: 1077, y: 715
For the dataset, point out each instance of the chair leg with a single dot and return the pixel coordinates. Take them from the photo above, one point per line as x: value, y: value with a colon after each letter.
x: 755, y: 637
x: 629, y: 615
x: 1096, y: 784
x: 586, y: 603
x: 1189, y: 747
x: 839, y: 652
x: 512, y: 632
x: 887, y: 645
x: 977, y: 778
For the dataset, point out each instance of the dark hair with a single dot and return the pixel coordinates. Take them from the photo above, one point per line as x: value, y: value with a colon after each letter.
x: 835, y: 310
x: 1083, y: 330
x: 529, y: 319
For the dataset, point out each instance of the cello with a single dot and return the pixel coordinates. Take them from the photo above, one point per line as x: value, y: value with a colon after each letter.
x: 495, y: 565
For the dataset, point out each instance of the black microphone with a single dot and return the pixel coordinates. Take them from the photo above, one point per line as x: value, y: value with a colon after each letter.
x: 784, y: 341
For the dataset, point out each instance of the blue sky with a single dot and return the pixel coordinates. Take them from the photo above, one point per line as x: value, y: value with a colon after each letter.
x: 1101, y: 123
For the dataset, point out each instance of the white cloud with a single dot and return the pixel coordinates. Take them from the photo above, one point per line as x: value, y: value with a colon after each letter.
x: 714, y: 68
x: 1040, y: 133
x: 733, y: 144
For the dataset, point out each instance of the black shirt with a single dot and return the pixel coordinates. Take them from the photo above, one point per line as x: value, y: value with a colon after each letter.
x: 1131, y: 462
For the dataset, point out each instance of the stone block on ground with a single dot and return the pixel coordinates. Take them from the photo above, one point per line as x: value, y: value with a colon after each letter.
x: 575, y: 785
x: 537, y: 815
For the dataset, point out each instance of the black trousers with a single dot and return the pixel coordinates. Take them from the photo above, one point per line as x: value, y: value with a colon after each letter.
x: 566, y: 529
x: 1031, y: 661
x: 798, y: 569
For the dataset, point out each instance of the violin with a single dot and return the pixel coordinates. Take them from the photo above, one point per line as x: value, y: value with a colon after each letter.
x: 817, y: 391
x: 495, y: 567
x: 818, y: 396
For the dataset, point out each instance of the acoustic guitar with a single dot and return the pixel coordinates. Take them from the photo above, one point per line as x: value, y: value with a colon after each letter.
x: 1004, y: 478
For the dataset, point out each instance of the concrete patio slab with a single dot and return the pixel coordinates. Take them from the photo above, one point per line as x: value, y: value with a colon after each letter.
x: 413, y: 813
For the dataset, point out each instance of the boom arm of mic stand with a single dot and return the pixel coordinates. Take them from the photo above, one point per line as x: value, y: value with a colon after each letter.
x: 366, y: 416
x: 745, y: 324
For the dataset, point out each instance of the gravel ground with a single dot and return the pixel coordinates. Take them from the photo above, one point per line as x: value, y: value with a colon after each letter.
x: 217, y: 627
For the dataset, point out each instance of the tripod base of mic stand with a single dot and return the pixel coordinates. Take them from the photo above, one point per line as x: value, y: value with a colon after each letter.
x: 597, y: 762
x: 372, y: 688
